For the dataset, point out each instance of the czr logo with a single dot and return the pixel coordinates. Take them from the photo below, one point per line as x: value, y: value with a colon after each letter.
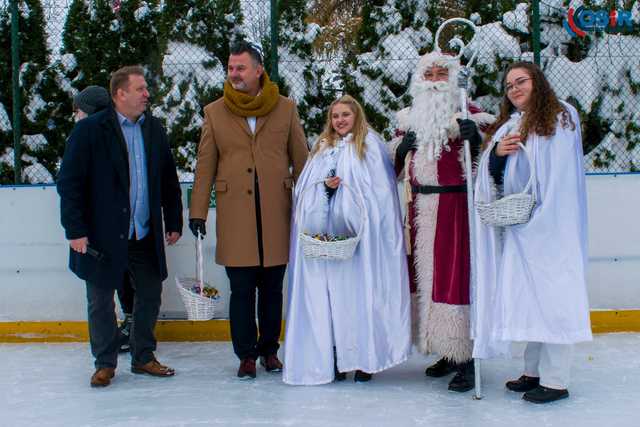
x: 580, y: 21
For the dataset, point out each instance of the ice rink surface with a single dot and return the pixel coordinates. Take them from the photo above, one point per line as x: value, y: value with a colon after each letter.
x: 48, y: 385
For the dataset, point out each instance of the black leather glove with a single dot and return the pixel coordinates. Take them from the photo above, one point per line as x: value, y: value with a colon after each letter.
x: 409, y: 143
x: 469, y: 131
x: 198, y: 225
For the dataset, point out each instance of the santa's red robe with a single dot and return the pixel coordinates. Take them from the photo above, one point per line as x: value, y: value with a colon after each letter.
x: 439, y: 263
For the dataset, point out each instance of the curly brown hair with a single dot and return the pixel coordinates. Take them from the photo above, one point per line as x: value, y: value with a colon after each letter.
x: 542, y: 110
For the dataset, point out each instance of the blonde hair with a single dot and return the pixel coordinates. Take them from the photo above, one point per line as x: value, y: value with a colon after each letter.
x: 329, y: 137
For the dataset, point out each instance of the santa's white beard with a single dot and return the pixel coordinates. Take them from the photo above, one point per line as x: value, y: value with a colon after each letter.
x: 434, y: 104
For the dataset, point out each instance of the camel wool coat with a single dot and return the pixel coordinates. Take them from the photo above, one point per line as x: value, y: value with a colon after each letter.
x: 229, y: 156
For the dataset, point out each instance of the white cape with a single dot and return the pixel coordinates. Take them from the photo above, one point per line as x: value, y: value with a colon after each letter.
x: 361, y: 305
x: 530, y: 278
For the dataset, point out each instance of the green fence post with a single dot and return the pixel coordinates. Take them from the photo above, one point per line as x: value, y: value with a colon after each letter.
x: 274, y: 41
x: 17, y: 108
x: 535, y: 23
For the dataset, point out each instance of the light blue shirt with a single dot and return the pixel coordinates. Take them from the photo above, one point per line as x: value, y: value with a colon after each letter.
x: 138, y: 185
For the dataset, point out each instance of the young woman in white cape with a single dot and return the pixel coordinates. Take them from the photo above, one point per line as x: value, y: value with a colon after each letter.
x: 351, y: 315
x: 530, y: 278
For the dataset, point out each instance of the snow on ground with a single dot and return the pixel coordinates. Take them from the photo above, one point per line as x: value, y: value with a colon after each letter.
x: 47, y: 385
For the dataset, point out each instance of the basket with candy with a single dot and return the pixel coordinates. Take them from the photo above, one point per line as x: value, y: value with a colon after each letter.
x: 328, y: 246
x: 199, y: 298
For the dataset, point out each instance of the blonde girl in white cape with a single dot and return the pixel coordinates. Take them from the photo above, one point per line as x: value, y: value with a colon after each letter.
x: 351, y: 315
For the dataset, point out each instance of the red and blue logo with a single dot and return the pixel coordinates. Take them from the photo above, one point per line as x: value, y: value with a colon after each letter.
x: 580, y: 21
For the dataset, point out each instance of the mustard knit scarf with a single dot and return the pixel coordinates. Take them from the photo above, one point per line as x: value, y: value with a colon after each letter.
x: 245, y: 105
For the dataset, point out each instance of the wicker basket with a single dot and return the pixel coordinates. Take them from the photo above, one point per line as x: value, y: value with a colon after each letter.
x: 512, y: 209
x: 331, y: 250
x: 198, y: 306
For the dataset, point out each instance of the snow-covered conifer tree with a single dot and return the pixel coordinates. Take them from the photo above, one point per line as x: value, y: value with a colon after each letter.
x: 303, y: 74
x: 390, y: 39
x: 200, y: 33
x: 45, y: 106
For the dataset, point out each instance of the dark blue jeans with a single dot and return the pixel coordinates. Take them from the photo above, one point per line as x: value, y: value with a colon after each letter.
x: 103, y: 327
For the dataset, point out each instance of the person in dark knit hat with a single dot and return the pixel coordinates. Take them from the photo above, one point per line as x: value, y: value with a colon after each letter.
x: 88, y: 101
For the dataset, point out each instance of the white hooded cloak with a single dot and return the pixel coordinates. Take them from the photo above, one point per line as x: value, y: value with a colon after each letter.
x: 360, y: 305
x: 530, y: 278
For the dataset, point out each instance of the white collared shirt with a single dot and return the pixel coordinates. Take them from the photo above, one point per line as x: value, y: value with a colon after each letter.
x: 251, y: 121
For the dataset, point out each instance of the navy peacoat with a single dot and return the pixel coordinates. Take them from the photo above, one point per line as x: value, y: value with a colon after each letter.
x: 93, y: 185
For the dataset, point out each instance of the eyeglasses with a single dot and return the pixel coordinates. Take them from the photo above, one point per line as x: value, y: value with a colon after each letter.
x: 517, y: 84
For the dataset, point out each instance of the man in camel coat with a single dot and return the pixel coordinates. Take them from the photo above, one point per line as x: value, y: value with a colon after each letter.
x: 252, y: 148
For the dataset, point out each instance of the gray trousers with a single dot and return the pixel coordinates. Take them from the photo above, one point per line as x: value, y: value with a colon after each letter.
x: 103, y: 326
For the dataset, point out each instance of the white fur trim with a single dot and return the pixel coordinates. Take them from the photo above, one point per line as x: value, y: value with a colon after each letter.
x: 482, y: 118
x: 449, y: 332
x: 392, y: 147
x: 426, y: 207
x: 462, y: 163
x: 415, y: 316
x: 402, y: 117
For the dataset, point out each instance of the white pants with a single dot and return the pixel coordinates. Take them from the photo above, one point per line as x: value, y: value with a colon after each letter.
x: 549, y: 362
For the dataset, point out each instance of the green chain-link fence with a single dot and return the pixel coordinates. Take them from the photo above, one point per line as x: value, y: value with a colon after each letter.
x: 325, y: 48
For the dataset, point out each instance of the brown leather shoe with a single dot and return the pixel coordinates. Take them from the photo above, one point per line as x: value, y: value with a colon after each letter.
x: 102, y: 377
x: 271, y: 363
x: 247, y: 369
x: 153, y: 368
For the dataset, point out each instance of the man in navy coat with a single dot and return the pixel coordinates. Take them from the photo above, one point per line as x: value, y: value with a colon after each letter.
x: 117, y: 183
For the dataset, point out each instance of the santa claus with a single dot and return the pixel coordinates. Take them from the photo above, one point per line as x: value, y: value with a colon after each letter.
x: 429, y: 153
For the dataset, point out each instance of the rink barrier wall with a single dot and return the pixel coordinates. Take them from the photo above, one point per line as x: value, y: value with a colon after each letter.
x: 602, y: 321
x: 41, y: 300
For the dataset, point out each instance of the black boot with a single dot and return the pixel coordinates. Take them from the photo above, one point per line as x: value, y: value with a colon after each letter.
x: 124, y: 332
x: 464, y: 379
x: 542, y: 394
x: 361, y: 376
x: 441, y: 368
x: 522, y: 384
x: 337, y: 375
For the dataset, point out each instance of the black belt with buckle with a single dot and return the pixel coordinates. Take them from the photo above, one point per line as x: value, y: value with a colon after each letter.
x: 437, y: 189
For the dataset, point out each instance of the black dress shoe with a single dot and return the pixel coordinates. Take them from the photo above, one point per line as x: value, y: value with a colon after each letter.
x: 271, y: 363
x: 542, y: 394
x: 361, y: 376
x: 441, y: 368
x: 522, y: 384
x: 247, y: 369
x: 464, y: 379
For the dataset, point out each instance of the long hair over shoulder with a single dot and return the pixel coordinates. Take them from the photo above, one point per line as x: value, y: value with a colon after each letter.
x: 329, y: 137
x: 542, y: 110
